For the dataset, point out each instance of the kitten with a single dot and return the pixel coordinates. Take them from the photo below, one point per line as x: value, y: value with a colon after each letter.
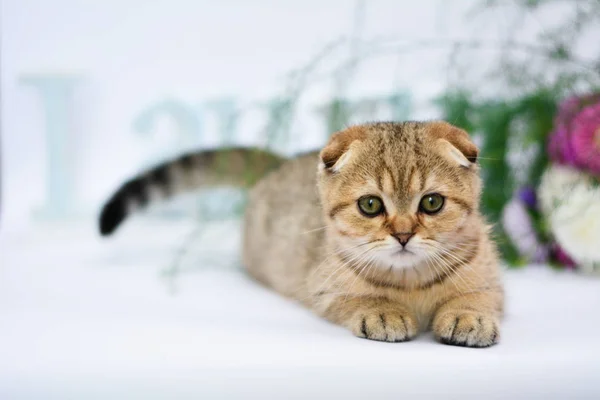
x: 379, y: 232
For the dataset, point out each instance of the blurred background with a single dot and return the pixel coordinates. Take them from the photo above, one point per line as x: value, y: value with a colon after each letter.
x: 98, y: 91
x: 93, y: 92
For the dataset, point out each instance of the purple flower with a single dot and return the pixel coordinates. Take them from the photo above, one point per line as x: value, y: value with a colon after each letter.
x: 541, y: 254
x: 528, y: 196
x: 562, y: 257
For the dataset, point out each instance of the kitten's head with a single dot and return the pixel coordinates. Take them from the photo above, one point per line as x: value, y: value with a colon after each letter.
x: 399, y: 195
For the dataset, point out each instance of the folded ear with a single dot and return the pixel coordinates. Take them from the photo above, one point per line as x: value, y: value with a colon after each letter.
x: 337, y: 151
x: 455, y: 142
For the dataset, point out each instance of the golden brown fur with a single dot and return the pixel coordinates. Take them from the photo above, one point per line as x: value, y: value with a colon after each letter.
x: 305, y: 237
x: 387, y: 276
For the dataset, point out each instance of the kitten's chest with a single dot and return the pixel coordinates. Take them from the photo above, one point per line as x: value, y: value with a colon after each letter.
x: 423, y: 303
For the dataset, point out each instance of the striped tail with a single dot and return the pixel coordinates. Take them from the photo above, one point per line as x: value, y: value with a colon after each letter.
x: 240, y: 167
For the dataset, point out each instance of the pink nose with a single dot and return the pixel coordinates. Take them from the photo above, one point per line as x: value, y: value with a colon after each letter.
x: 403, y: 237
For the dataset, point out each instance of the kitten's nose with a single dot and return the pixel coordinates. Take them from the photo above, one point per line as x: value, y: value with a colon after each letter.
x: 403, y: 237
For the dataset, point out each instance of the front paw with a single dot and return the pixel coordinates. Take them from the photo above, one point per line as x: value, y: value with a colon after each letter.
x: 384, y: 324
x: 466, y: 328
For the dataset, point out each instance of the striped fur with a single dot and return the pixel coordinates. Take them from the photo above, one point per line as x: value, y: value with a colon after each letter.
x: 236, y: 167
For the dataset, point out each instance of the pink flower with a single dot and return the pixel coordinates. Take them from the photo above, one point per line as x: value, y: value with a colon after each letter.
x: 576, y: 138
x: 560, y: 149
x: 569, y: 108
x: 585, y: 138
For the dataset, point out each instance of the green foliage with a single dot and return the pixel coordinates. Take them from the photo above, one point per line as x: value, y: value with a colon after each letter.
x: 539, y: 108
x: 494, y: 121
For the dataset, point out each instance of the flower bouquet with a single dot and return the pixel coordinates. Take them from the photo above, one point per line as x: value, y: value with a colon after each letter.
x: 559, y: 221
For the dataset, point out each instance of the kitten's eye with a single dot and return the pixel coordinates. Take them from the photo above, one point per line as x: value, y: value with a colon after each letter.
x: 431, y: 203
x: 370, y: 206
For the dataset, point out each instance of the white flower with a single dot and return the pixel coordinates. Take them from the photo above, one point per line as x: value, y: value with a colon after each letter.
x: 571, y: 203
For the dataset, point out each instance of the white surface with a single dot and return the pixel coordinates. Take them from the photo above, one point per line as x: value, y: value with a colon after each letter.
x: 84, y: 318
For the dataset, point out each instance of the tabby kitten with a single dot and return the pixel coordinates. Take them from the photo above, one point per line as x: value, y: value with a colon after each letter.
x: 379, y: 232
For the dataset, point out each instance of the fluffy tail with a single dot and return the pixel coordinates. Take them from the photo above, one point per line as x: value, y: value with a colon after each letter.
x: 240, y: 167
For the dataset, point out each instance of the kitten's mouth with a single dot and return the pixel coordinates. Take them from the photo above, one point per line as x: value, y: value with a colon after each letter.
x: 404, y: 252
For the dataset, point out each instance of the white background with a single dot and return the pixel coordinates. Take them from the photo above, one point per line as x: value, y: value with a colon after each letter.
x: 131, y: 54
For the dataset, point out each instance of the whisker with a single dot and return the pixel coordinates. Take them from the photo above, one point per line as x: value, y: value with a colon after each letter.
x: 462, y: 263
x: 457, y: 271
x: 437, y: 273
x: 314, y: 230
x: 337, y: 252
x: 439, y: 264
x: 370, y: 261
x: 354, y: 258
